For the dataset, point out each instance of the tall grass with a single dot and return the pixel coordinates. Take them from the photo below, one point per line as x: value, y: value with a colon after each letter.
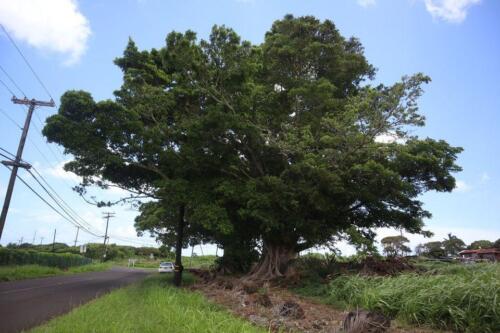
x: 461, y: 298
x: 151, y: 306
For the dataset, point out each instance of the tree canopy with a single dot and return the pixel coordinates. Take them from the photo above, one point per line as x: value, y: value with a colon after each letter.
x: 480, y: 244
x: 453, y: 245
x: 278, y: 145
x: 395, y: 245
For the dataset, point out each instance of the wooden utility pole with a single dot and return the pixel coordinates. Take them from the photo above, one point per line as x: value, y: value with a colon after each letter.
x: 54, y: 240
x: 107, y: 216
x: 76, y: 238
x: 17, y: 163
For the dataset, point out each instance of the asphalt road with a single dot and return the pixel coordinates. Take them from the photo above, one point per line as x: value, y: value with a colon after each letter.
x: 28, y: 303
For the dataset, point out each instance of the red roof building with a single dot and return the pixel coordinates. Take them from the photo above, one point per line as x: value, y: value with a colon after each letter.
x: 488, y: 254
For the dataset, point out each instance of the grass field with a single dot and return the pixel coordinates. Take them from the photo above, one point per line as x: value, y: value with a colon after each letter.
x: 150, y: 306
x: 448, y: 296
x: 11, y: 273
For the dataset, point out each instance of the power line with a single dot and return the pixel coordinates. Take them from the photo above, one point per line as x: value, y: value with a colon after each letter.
x: 74, y: 221
x: 46, y: 143
x: 131, y: 241
x: 27, y: 62
x: 8, y: 152
x: 7, y: 87
x: 60, y: 205
x: 51, y: 188
x: 62, y: 200
x: 12, y: 80
x: 10, y: 118
x: 7, y: 157
x: 45, y: 201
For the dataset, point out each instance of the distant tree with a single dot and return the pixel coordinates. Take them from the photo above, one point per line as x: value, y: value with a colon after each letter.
x: 431, y: 249
x: 497, y: 244
x: 480, y: 244
x: 420, y: 249
x: 452, y: 245
x: 394, y: 245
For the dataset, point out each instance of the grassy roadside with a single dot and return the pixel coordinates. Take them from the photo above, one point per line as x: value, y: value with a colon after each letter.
x: 12, y: 273
x: 152, y: 305
x: 448, y: 296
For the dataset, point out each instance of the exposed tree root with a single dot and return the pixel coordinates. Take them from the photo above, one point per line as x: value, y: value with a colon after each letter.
x: 273, y: 264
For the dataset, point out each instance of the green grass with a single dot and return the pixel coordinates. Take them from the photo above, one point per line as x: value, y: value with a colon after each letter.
x: 150, y: 306
x: 11, y: 273
x: 449, y: 296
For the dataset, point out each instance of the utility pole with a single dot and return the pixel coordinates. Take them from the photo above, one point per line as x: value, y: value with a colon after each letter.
x: 17, y: 163
x: 21, y: 240
x: 54, y: 240
x: 41, y: 240
x: 34, y: 237
x: 107, y: 216
x: 76, y: 238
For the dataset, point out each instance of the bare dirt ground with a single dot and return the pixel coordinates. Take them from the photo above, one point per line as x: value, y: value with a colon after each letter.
x: 265, y: 307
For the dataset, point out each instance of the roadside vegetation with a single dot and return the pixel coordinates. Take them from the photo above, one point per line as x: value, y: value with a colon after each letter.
x: 453, y: 296
x: 204, y: 262
x: 153, y: 305
x: 10, y: 256
x: 21, y: 272
x: 95, y: 250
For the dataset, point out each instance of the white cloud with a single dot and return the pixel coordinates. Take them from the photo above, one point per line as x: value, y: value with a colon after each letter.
x: 389, y: 138
x: 55, y: 25
x: 454, y: 11
x: 58, y: 172
x: 366, y: 3
x: 462, y: 186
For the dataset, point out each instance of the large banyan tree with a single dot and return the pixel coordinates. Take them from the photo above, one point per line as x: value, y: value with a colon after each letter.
x: 283, y: 145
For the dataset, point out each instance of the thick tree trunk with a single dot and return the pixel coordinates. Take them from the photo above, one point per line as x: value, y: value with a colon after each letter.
x: 273, y: 263
x: 178, y: 248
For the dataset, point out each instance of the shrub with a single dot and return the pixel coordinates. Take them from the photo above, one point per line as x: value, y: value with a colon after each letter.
x: 26, y: 257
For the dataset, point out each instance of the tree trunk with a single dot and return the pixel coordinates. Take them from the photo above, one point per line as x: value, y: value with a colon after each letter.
x: 178, y: 248
x: 273, y: 263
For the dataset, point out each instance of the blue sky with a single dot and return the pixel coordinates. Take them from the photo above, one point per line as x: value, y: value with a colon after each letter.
x: 71, y: 45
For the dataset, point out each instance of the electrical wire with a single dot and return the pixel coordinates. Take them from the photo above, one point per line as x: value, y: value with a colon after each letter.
x: 131, y: 241
x: 8, y: 152
x: 12, y: 80
x: 10, y: 118
x: 26, y: 61
x: 7, y: 87
x: 61, y: 199
x: 60, y: 205
x: 79, y: 224
x: 7, y: 157
x: 48, y: 204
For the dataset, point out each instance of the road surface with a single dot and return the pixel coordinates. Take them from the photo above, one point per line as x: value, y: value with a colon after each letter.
x: 28, y: 303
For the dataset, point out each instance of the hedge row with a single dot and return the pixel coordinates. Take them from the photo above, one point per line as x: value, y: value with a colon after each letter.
x: 27, y: 257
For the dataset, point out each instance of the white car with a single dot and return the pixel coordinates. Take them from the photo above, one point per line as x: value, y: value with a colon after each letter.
x: 166, y: 267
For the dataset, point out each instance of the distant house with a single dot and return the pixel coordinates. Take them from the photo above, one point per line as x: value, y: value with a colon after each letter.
x: 488, y: 254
